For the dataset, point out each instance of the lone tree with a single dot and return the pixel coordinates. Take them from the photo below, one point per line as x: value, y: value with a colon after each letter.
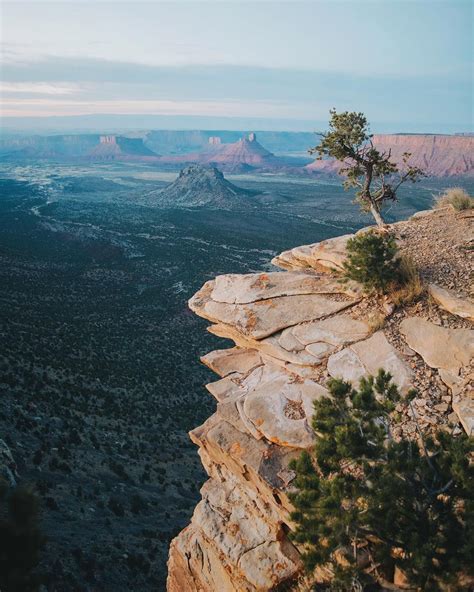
x: 372, y: 171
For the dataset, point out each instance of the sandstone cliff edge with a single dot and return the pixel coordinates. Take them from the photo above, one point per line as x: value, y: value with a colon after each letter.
x: 292, y: 330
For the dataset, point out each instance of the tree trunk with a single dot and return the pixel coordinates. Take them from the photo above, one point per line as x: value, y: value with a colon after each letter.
x: 376, y: 214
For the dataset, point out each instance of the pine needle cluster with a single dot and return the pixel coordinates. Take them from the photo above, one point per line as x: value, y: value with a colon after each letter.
x: 372, y: 260
x: 367, y: 504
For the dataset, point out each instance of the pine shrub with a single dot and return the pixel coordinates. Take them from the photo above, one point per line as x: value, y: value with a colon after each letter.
x: 372, y: 261
x: 366, y: 503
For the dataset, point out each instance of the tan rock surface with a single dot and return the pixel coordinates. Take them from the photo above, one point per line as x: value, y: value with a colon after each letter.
x: 243, y: 289
x: 462, y: 307
x: 235, y: 359
x: 463, y: 406
x: 281, y: 407
x: 328, y: 254
x: 440, y: 347
x: 265, y: 317
x: 367, y: 357
x: 336, y: 330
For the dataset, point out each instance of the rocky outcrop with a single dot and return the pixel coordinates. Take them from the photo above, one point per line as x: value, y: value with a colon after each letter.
x: 198, y: 186
x: 292, y: 331
x: 366, y: 357
x: 246, y: 152
x: 437, y: 155
x: 285, y: 326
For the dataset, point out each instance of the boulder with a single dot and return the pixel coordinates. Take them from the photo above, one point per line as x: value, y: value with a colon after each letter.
x: 366, y: 358
x: 461, y: 307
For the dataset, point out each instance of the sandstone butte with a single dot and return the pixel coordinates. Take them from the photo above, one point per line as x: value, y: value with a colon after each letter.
x: 291, y: 331
x: 245, y: 153
x: 437, y: 155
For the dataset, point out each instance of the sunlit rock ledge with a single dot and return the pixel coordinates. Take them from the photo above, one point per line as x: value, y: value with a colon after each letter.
x: 291, y: 331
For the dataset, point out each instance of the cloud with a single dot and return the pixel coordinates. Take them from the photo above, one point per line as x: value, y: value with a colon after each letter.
x: 53, y: 107
x: 102, y: 86
x: 37, y: 88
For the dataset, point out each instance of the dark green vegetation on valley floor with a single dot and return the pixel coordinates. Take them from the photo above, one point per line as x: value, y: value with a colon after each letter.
x: 99, y: 372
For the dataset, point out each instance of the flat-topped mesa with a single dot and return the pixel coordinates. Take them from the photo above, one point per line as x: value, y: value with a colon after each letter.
x: 292, y: 330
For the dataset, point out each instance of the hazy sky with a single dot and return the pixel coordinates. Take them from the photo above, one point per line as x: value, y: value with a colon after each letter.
x: 407, y: 63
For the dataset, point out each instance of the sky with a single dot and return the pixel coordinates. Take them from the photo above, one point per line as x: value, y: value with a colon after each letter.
x: 407, y: 64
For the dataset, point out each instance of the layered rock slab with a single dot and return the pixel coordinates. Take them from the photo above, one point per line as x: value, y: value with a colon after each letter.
x: 264, y: 317
x: 440, y: 347
x: 243, y: 514
x: 235, y: 359
x: 271, y: 403
x: 243, y: 289
x: 329, y: 254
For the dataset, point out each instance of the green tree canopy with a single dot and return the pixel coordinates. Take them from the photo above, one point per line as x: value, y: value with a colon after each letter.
x: 367, y: 503
x: 373, y: 172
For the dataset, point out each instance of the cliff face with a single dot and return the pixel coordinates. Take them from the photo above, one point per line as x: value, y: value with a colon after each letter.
x: 292, y: 331
x: 438, y: 156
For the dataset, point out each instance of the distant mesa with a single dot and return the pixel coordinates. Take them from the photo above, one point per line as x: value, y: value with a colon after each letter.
x: 244, y: 155
x: 437, y: 155
x: 77, y: 147
x: 121, y: 148
x: 247, y: 151
x: 198, y: 185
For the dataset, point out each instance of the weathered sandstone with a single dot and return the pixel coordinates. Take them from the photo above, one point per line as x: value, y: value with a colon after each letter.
x: 328, y: 254
x: 366, y: 357
x: 450, y: 351
x: 462, y: 307
x: 440, y: 347
x: 264, y: 317
x: 291, y: 332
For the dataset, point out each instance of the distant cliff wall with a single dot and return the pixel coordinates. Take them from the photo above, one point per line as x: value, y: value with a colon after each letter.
x: 437, y: 155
